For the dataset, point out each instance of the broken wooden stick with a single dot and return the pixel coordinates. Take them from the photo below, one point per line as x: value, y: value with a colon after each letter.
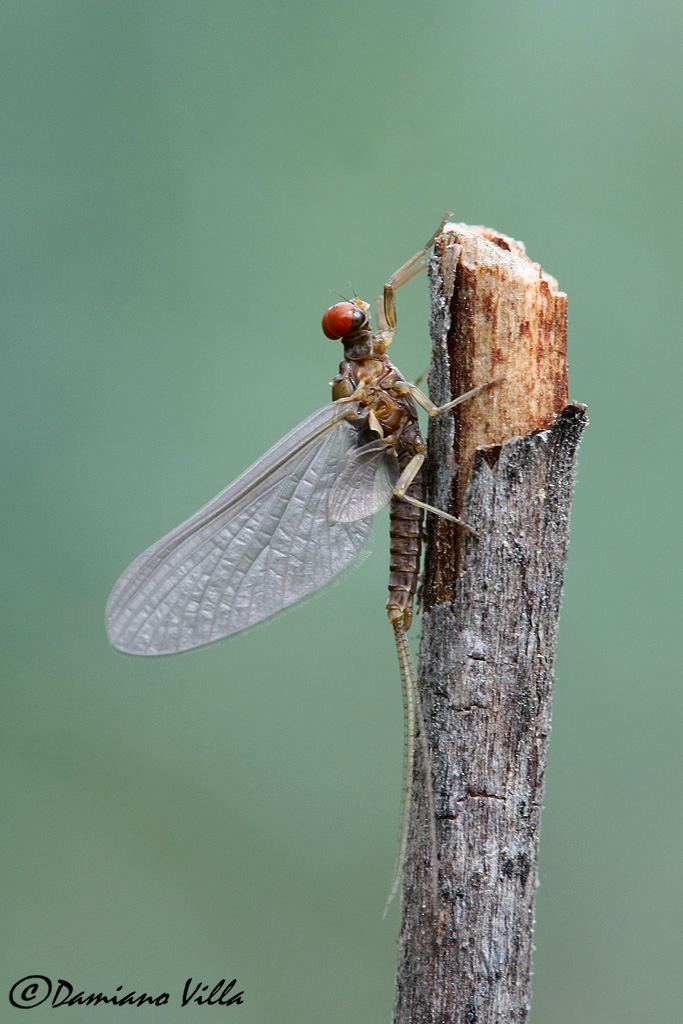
x: 503, y: 463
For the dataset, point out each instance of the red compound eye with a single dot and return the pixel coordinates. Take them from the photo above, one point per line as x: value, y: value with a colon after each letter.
x: 343, y: 319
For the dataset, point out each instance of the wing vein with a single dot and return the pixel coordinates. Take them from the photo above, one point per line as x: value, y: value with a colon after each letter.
x: 264, y: 542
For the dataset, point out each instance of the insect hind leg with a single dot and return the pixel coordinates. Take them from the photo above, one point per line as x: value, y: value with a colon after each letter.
x: 405, y: 480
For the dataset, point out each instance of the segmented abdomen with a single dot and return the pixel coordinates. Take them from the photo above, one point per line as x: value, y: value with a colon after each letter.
x: 406, y: 542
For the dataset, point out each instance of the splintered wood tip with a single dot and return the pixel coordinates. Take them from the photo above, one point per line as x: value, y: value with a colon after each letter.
x: 507, y: 318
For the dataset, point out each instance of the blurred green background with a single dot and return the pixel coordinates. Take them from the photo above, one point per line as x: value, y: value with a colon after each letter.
x: 185, y: 188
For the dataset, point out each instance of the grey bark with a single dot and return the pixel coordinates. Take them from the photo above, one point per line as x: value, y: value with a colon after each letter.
x: 489, y: 636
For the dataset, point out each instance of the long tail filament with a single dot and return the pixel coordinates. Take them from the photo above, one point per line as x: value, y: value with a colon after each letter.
x: 412, y: 709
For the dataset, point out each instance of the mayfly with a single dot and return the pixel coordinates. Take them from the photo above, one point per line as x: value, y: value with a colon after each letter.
x: 299, y: 516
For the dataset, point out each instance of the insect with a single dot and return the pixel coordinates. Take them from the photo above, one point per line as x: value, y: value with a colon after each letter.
x: 299, y: 515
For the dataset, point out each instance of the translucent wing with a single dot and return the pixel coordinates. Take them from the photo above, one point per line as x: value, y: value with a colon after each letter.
x: 365, y: 483
x: 264, y: 542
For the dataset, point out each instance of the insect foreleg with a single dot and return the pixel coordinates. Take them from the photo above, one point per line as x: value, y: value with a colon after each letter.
x: 386, y: 305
